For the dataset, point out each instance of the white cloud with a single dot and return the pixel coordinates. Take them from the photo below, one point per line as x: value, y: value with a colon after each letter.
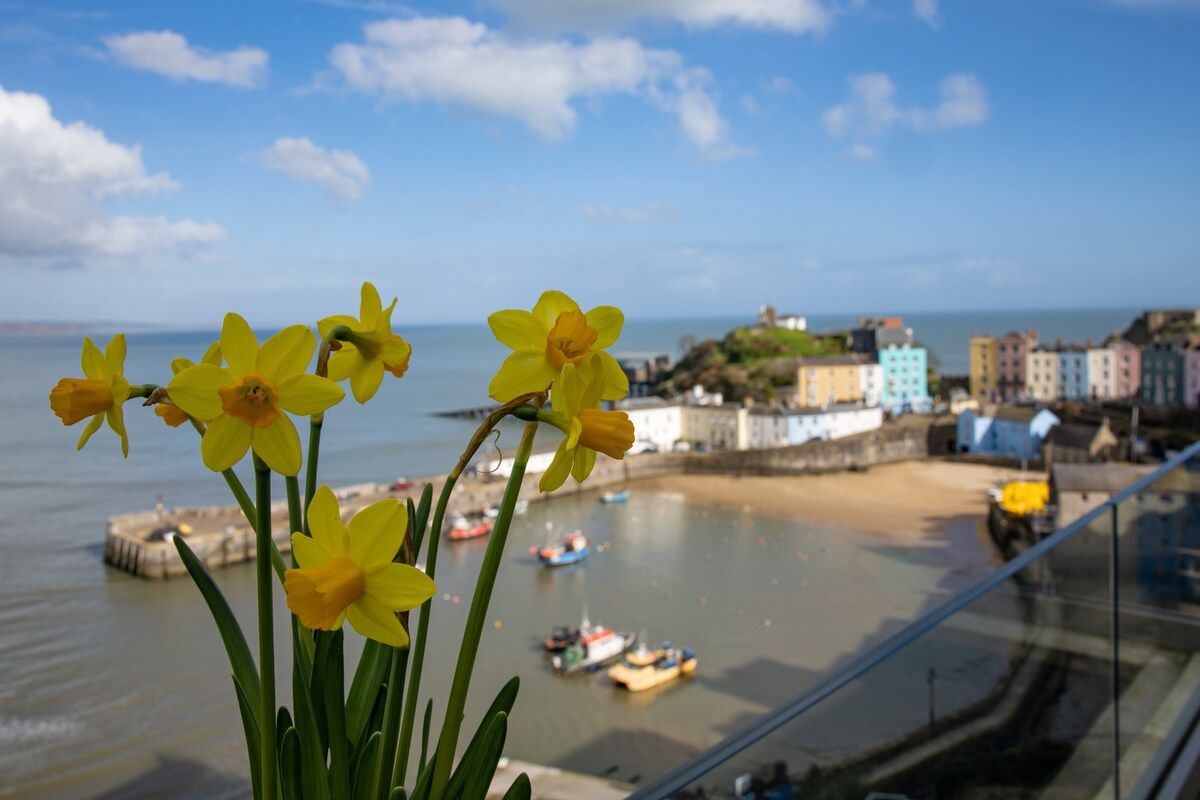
x: 452, y: 60
x: 340, y: 173
x: 632, y: 216
x: 927, y: 12
x: 872, y: 108
x: 793, y: 16
x: 53, y: 182
x: 862, y: 152
x: 169, y: 54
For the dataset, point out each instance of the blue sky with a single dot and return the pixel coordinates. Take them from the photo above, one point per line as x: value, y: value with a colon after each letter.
x: 167, y: 162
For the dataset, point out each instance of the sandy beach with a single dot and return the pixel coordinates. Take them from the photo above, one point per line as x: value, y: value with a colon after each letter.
x: 909, y: 501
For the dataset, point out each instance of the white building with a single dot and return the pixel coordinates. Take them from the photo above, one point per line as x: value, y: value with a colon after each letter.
x: 792, y: 322
x: 847, y: 419
x: 871, y: 382
x: 657, y: 424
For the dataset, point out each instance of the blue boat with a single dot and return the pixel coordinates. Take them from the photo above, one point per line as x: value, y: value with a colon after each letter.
x: 573, y: 548
x: 619, y: 496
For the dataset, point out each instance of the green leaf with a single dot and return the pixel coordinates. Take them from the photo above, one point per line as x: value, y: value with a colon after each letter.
x: 316, y: 777
x: 320, y: 657
x: 253, y: 736
x: 421, y: 518
x: 245, y: 673
x: 520, y: 789
x: 283, y: 721
x: 290, y: 770
x: 333, y: 686
x: 504, y: 701
x: 373, y: 725
x: 372, y: 672
x: 398, y: 794
x: 474, y: 774
x: 425, y: 725
x: 424, y: 780
x: 364, y: 776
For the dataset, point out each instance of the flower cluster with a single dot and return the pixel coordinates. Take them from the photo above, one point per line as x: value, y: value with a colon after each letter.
x: 560, y: 349
x: 240, y: 397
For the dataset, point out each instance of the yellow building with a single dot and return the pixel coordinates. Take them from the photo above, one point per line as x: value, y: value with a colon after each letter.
x: 984, y: 364
x: 824, y: 380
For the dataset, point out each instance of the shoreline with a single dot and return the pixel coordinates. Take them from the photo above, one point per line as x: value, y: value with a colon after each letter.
x: 909, y: 502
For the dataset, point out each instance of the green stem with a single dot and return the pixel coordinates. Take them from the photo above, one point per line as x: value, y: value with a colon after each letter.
x: 433, y: 537
x: 310, y: 474
x: 385, y: 766
x: 248, y: 510
x: 448, y: 741
x: 295, y: 516
x: 266, y: 628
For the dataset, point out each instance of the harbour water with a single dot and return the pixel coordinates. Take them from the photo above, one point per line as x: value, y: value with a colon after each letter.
x: 112, y: 686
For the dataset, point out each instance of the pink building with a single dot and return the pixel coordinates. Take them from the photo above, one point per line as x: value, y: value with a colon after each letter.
x: 1011, y: 351
x: 1127, y: 368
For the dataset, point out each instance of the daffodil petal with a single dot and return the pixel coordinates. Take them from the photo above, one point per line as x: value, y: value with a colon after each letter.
x: 593, y: 368
x: 278, y: 444
x: 92, y: 426
x: 556, y: 474
x: 329, y: 323
x: 178, y: 365
x: 395, y: 353
x: 377, y: 532
x: 364, y: 382
x: 195, y: 390
x: 308, y: 551
x: 400, y: 587
x: 308, y: 394
x: 567, y: 393
x: 225, y: 442
x: 370, y: 305
x: 550, y: 305
x: 287, y: 353
x: 114, y: 356
x: 584, y: 460
x: 608, y: 321
x: 212, y: 355
x: 616, y: 384
x: 344, y: 363
x: 367, y: 616
x: 239, y: 348
x: 325, y: 523
x: 116, y: 421
x: 572, y: 439
x: 92, y: 360
x: 521, y: 373
x: 519, y: 330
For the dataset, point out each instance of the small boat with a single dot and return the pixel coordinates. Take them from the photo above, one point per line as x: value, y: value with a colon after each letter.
x: 491, y: 512
x: 645, y: 668
x: 463, y: 528
x: 619, y: 496
x: 594, y: 647
x: 573, y: 548
x: 560, y: 639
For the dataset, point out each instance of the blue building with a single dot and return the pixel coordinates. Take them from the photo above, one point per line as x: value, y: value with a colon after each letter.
x: 1007, y: 431
x: 905, y: 377
x: 1163, y: 375
x: 1073, y: 374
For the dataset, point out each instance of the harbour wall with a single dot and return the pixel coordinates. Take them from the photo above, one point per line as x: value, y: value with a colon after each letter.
x: 219, y: 535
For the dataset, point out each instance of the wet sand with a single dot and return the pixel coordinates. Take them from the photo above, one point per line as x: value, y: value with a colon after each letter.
x: 909, y: 501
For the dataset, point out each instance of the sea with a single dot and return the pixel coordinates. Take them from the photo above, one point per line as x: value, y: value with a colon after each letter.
x: 113, y: 686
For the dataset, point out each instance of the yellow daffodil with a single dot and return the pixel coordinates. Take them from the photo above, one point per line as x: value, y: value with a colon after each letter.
x: 244, y: 403
x: 374, y: 348
x: 555, y: 334
x: 170, y: 413
x: 588, y: 429
x: 99, y: 394
x: 346, y: 573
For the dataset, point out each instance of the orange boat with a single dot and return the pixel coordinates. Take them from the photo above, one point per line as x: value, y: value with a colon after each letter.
x: 462, y: 528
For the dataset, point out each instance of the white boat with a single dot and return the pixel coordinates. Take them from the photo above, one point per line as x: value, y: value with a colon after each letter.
x: 595, y: 646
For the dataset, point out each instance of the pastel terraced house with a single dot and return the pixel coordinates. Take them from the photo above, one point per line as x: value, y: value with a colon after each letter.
x: 824, y: 380
x: 1041, y: 375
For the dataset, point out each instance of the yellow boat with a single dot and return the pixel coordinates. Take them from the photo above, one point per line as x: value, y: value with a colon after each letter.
x: 644, y: 668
